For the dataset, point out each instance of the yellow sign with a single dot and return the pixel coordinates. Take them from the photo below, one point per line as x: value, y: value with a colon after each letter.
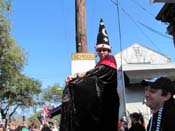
x: 83, y: 56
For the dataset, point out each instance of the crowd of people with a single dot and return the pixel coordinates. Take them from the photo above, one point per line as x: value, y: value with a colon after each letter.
x: 134, y: 122
x: 90, y: 100
x: 36, y: 125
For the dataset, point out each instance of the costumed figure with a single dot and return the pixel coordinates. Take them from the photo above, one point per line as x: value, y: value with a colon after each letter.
x: 90, y: 100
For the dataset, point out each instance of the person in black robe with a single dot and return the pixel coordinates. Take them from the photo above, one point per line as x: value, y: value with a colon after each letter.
x: 90, y: 100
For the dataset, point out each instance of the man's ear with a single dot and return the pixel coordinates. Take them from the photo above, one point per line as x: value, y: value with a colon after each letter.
x: 168, y: 96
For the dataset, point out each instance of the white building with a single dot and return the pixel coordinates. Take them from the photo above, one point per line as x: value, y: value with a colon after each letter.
x: 139, y: 62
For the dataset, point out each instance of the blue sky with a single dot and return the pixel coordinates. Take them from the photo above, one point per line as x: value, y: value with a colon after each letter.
x: 46, y: 31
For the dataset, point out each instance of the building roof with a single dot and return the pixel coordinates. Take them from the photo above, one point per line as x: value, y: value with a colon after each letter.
x: 137, y: 53
x: 167, y: 12
x: 139, y: 62
x: 166, y: 1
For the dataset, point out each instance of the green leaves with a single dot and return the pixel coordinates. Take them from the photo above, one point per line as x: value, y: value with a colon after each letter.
x: 53, y: 93
x: 16, y: 89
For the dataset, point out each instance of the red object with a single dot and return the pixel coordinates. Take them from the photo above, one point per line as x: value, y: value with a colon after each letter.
x: 47, y: 111
x: 109, y: 61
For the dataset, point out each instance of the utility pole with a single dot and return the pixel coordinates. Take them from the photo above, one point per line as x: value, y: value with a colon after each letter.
x: 80, y: 16
x: 81, y: 60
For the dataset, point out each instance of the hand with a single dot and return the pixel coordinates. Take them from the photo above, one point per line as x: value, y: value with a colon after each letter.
x: 82, y: 74
x: 71, y: 77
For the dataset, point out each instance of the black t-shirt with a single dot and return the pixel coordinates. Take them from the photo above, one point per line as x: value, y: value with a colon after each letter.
x: 137, y: 127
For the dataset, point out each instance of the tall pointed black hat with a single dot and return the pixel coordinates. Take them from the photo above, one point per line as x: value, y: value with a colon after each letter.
x: 102, y: 38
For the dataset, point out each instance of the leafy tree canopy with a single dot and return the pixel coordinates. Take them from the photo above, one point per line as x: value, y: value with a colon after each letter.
x: 16, y: 89
x: 53, y: 94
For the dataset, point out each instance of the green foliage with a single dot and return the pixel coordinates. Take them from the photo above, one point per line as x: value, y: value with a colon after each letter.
x: 53, y: 93
x: 16, y: 90
x: 5, y: 6
x: 12, y: 57
x: 34, y: 116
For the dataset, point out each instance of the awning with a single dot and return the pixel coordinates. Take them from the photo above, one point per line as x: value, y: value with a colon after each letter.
x: 138, y: 72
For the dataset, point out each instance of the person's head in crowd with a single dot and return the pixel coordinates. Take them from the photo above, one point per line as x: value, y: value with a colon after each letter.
x: 123, y: 119
x: 24, y: 127
x: 12, y: 126
x: 2, y: 128
x: 35, y: 125
x: 102, y: 47
x: 158, y: 91
x: 46, y: 128
x: 136, y: 118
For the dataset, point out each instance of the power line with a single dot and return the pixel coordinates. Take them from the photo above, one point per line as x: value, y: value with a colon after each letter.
x: 144, y: 9
x: 119, y: 25
x: 121, y: 75
x: 151, y: 29
x: 135, y: 22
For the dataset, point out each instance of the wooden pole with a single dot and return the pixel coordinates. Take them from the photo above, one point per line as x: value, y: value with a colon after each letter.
x: 81, y: 38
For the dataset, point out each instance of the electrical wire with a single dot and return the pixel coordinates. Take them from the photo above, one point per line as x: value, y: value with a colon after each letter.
x: 121, y: 73
x: 151, y: 29
x: 119, y: 25
x: 144, y: 9
x: 135, y: 22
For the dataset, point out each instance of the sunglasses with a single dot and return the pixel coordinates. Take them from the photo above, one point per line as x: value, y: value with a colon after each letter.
x: 99, y: 50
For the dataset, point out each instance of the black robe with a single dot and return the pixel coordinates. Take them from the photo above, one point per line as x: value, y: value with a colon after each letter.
x: 91, y: 103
